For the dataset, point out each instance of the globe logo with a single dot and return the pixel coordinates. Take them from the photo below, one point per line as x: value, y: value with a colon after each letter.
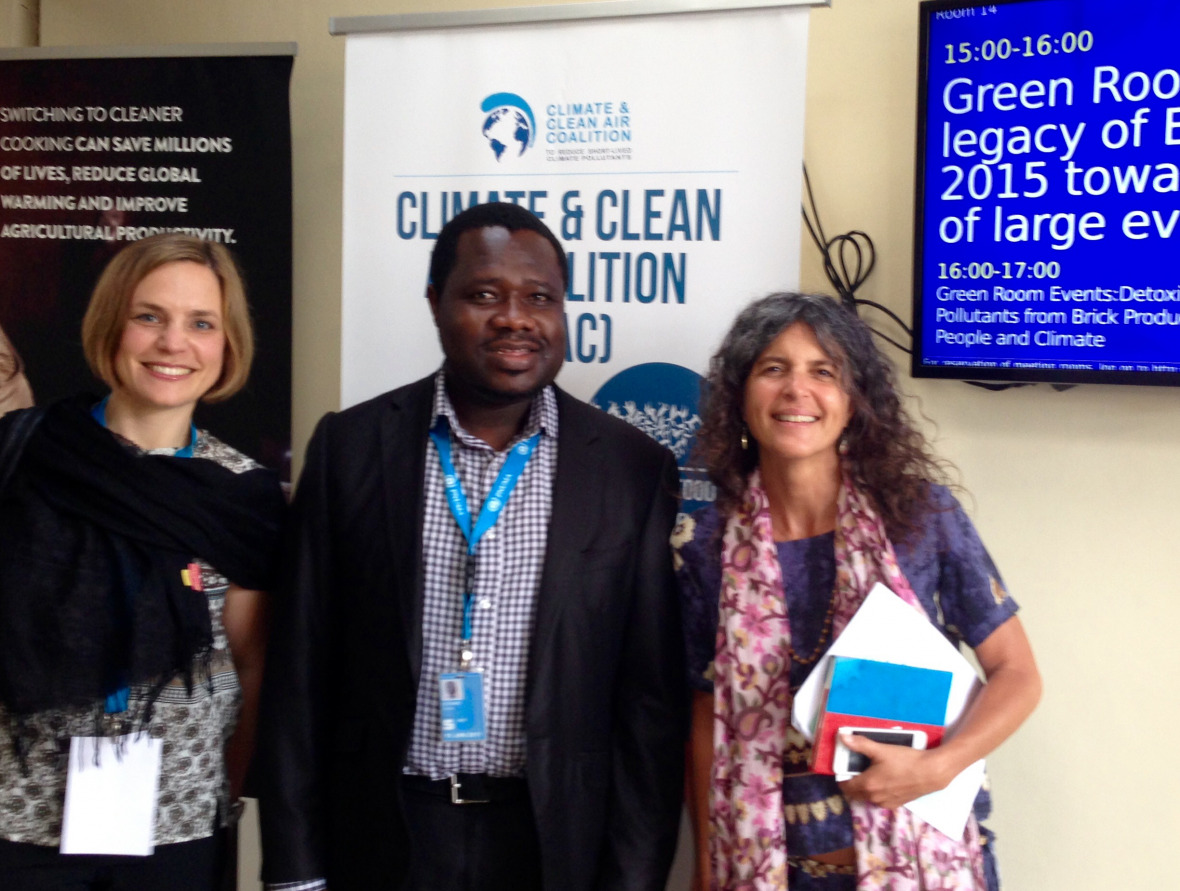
x: 450, y: 480
x: 495, y: 504
x: 509, y: 124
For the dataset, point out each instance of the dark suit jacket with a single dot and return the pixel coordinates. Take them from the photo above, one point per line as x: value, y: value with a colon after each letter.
x: 606, y: 696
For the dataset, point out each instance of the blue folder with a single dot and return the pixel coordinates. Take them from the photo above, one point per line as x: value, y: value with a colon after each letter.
x: 888, y: 691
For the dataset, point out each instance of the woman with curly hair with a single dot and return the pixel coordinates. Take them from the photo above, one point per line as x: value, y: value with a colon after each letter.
x: 825, y: 488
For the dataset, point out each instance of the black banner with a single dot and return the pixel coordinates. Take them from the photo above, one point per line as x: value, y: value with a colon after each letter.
x: 96, y: 153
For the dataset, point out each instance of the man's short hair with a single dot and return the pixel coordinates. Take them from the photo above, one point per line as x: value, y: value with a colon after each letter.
x: 500, y: 214
x: 106, y: 316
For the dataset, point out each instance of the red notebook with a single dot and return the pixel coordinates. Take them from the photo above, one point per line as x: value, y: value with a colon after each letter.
x: 878, y: 695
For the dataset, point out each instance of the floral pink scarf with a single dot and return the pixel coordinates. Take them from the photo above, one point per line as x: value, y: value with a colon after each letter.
x: 895, y: 851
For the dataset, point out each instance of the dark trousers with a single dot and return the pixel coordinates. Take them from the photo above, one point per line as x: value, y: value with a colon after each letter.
x: 186, y: 866
x: 471, y: 847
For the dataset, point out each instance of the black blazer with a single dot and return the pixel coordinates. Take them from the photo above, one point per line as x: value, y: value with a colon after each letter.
x: 606, y: 711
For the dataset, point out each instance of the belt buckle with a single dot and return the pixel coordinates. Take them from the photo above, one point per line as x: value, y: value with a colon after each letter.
x: 455, y: 797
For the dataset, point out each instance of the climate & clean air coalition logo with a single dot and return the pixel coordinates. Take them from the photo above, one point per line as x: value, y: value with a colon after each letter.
x: 509, y: 124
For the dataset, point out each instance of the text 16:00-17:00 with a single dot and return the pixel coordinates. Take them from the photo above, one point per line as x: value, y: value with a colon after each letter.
x: 985, y: 270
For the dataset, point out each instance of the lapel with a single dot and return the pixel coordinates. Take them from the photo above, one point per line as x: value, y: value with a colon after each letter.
x: 578, y: 499
x: 404, y: 429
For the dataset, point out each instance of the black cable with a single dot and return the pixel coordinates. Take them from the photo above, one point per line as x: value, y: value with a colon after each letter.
x: 996, y: 387
x: 848, y: 262
x: 888, y: 312
x: 857, y: 245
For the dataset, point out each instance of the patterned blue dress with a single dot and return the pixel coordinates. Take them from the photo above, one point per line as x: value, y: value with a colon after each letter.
x: 957, y: 584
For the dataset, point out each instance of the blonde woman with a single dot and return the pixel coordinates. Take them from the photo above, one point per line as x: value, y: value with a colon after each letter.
x: 133, y: 553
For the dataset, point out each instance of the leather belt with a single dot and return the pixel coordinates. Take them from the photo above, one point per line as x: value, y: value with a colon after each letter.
x: 469, y: 788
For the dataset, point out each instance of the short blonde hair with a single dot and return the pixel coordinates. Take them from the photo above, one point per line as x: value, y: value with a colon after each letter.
x: 106, y: 316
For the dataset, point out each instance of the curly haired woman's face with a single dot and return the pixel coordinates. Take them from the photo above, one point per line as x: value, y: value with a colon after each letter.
x: 795, y: 406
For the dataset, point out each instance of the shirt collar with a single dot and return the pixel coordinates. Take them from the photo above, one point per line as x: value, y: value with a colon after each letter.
x: 542, y: 414
x: 98, y: 411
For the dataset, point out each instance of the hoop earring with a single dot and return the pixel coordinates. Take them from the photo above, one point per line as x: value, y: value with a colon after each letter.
x: 842, y: 448
x: 744, y: 439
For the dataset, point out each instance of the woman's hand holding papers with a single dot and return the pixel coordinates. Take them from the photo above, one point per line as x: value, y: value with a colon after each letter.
x: 898, y: 775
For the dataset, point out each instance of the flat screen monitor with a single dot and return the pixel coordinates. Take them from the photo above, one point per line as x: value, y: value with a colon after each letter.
x: 1047, y: 242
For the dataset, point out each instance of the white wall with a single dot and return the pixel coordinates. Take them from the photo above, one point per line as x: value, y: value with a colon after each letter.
x: 1074, y: 492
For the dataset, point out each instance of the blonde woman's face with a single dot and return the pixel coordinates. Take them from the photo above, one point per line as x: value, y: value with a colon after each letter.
x: 173, y: 342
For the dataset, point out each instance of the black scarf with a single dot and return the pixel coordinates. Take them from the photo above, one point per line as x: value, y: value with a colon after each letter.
x: 93, y: 538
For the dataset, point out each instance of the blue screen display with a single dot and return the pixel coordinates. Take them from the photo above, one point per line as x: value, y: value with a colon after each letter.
x: 1048, y: 218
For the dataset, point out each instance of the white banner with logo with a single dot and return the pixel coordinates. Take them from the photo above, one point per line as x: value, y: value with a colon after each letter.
x: 664, y: 151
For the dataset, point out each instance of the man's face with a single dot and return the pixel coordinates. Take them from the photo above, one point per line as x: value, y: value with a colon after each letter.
x: 500, y: 316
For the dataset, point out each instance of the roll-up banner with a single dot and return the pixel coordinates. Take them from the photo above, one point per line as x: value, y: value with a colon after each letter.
x: 102, y: 147
x: 664, y: 150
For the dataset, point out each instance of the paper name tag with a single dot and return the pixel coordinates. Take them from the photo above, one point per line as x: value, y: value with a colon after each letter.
x: 111, y: 792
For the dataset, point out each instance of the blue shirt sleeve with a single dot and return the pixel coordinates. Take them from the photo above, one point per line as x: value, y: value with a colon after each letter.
x: 953, y: 575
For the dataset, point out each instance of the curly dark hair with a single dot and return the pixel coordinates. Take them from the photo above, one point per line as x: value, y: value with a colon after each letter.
x: 887, y: 456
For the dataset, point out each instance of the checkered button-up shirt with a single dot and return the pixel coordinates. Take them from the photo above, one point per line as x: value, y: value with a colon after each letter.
x: 508, y: 562
x: 507, y: 578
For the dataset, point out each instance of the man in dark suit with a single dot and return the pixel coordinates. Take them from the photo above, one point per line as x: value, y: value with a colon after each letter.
x: 475, y: 677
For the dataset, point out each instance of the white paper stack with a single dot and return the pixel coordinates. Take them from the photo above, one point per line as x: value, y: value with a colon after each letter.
x: 888, y: 629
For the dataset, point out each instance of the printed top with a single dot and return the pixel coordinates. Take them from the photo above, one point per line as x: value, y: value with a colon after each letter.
x: 194, y: 727
x: 949, y: 570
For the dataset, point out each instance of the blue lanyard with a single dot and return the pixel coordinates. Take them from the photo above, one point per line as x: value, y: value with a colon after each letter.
x: 118, y: 701
x: 99, y: 413
x: 490, y: 512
